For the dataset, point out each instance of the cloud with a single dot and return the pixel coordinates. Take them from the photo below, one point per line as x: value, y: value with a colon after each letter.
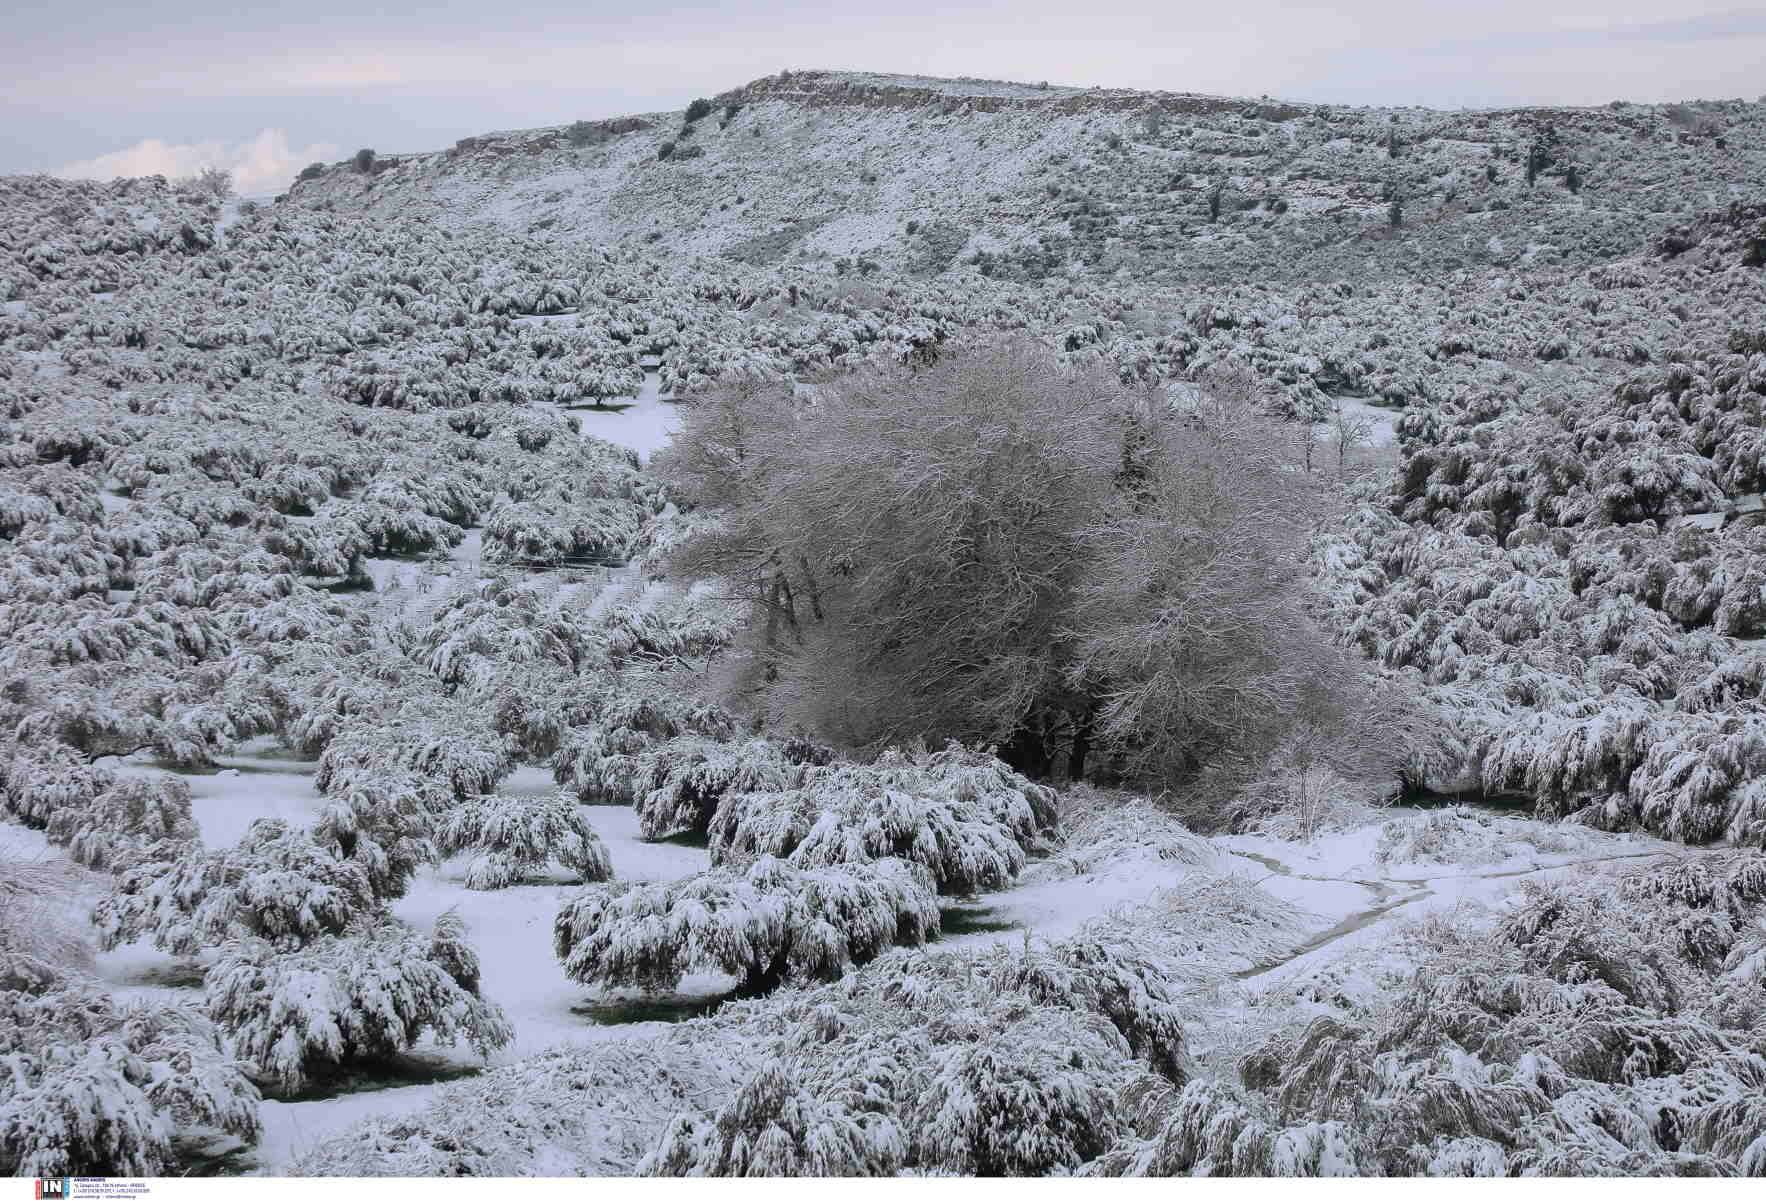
x: 260, y: 166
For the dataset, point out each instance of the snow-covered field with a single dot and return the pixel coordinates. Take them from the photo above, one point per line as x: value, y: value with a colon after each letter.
x: 644, y: 422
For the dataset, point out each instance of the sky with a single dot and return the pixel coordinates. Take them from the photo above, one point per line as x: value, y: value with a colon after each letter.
x: 100, y: 88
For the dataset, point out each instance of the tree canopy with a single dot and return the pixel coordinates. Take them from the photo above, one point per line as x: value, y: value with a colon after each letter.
x: 999, y: 549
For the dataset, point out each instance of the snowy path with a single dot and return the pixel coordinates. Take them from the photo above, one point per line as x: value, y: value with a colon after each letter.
x: 1401, y: 892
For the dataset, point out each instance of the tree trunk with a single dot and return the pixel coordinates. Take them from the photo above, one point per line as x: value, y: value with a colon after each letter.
x: 1028, y: 750
x: 1082, y: 736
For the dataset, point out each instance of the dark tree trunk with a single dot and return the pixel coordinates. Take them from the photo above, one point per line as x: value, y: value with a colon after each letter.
x: 1082, y: 735
x: 1028, y: 751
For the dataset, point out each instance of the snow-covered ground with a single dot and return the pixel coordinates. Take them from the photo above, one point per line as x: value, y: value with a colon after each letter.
x: 1306, y: 909
x: 1378, y: 425
x: 511, y: 929
x: 644, y: 423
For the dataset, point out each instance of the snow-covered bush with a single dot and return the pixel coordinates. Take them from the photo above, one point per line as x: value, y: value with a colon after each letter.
x: 1209, y: 925
x: 444, y: 744
x: 41, y: 944
x: 660, y: 638
x: 678, y: 785
x: 594, y: 1108
x: 1590, y: 1030
x: 1005, y: 1063
x: 1002, y: 1094
x: 964, y: 816
x: 494, y: 624
x: 599, y: 760
x: 382, y: 820
x: 512, y: 837
x: 367, y: 994
x: 36, y: 783
x: 127, y: 823
x: 1468, y: 838
x: 1217, y: 1129
x: 94, y: 1087
x: 1100, y: 828
x: 770, y: 925
x: 277, y: 884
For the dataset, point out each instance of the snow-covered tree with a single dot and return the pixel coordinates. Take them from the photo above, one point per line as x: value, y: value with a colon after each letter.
x: 369, y: 993
x: 767, y: 926
x: 512, y: 837
x: 277, y: 884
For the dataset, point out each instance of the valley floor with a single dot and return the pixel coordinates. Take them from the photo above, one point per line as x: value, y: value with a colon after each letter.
x: 1324, y: 903
x: 1271, y: 916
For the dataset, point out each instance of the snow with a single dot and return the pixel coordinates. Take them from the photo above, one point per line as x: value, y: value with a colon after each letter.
x: 1381, y: 423
x: 511, y: 929
x: 851, y: 178
x: 644, y: 423
x: 246, y: 787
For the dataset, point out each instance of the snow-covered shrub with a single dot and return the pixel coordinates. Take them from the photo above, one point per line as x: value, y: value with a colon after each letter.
x: 1097, y: 972
x: 658, y: 638
x: 1210, y: 924
x: 447, y: 745
x: 1467, y: 837
x: 966, y: 817
x: 1732, y: 882
x: 384, y: 821
x: 775, y: 1128
x: 678, y: 785
x: 126, y: 824
x: 1101, y: 828
x: 495, y: 624
x: 38, y: 782
x: 41, y: 946
x: 599, y: 761
x: 594, y: 1109
x: 367, y: 994
x: 767, y: 926
x: 939, y: 1063
x: 1005, y: 1093
x: 512, y: 837
x: 98, y: 1088
x: 1217, y: 1129
x: 277, y: 884
x: 1582, y: 1033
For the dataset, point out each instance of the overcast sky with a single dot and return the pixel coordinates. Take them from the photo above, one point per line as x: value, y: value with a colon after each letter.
x: 108, y: 87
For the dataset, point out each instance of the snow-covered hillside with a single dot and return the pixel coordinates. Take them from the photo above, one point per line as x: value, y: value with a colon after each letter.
x: 923, y: 174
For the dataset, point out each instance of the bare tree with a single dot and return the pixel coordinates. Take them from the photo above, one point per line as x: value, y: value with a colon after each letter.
x: 216, y: 181
x: 1347, y: 432
x: 998, y: 548
x: 1193, y: 616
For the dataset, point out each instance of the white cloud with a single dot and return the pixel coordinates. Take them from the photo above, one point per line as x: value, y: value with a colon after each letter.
x: 260, y: 166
